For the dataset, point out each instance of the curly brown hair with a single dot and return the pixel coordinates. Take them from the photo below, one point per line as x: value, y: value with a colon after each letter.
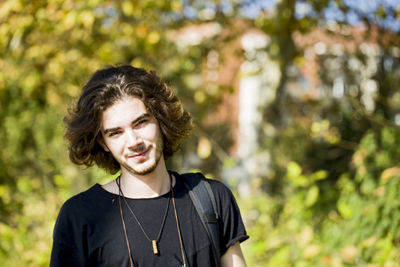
x: 105, y: 88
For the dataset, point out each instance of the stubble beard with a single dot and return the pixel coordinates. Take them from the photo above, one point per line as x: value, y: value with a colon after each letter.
x: 149, y: 169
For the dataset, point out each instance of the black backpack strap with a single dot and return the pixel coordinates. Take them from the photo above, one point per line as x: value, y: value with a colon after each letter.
x: 203, y: 200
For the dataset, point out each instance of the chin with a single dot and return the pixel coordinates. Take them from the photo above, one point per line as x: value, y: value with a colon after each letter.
x: 144, y: 168
x: 146, y: 171
x: 141, y: 170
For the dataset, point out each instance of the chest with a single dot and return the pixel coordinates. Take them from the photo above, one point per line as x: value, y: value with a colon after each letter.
x: 107, y: 245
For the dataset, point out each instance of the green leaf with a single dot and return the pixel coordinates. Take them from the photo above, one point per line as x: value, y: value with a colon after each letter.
x: 312, y: 195
x: 345, y: 209
x: 320, y: 175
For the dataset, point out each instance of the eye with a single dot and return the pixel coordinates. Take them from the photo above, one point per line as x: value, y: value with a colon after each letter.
x: 113, y: 133
x: 141, y: 122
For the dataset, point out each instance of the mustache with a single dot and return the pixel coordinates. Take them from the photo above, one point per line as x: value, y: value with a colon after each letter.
x: 138, y: 149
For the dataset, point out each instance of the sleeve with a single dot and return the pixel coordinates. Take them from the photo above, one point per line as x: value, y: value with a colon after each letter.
x: 68, y: 238
x: 232, y: 228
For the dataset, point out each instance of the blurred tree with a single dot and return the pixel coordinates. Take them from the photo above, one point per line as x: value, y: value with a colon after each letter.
x: 48, y: 49
x: 325, y: 120
x: 47, y: 52
x: 354, y: 87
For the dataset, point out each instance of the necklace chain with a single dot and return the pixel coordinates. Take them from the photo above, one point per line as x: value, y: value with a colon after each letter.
x: 178, y: 228
x: 154, y: 242
x: 137, y: 220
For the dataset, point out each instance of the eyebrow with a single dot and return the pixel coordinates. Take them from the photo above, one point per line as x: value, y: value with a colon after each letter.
x: 141, y: 117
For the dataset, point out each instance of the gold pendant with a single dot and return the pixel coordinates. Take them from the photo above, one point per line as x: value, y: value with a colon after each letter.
x: 155, y: 249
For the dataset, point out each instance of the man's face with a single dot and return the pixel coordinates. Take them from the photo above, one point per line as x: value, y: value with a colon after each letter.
x: 132, y: 135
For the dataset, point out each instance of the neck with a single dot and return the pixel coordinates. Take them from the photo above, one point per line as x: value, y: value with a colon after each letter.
x: 150, y: 185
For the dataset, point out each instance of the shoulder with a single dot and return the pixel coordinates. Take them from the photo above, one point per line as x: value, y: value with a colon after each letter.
x: 82, y: 202
x: 83, y: 196
x: 198, y: 176
x: 219, y: 187
x: 220, y: 190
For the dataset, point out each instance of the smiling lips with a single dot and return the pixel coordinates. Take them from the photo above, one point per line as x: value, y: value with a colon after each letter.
x: 139, y: 155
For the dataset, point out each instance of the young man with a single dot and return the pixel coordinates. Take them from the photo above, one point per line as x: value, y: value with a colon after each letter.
x: 127, y: 120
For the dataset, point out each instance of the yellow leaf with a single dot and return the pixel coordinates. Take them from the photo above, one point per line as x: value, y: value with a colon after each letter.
x: 293, y: 169
x: 389, y: 174
x: 345, y: 209
x: 306, y: 235
x: 312, y: 196
x: 8, y: 6
x: 3, y: 190
x: 137, y: 62
x: 380, y: 191
x: 127, y: 8
x: 349, y: 253
x: 311, y: 251
x: 294, y: 174
x: 199, y: 97
x: 87, y: 18
x: 69, y: 20
x: 369, y: 242
x: 358, y: 157
x: 204, y: 148
x: 60, y: 180
x: 176, y: 6
x: 141, y: 31
x: 153, y: 37
x: 320, y: 175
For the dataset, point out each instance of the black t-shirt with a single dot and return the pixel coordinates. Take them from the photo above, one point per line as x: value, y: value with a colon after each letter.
x: 89, y: 231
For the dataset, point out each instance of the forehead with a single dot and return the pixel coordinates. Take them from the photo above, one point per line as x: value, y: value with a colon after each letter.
x: 123, y: 112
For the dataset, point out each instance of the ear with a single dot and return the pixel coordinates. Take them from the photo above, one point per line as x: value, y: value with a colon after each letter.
x: 100, y: 140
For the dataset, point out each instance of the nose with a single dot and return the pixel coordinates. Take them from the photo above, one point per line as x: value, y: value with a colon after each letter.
x: 133, y: 139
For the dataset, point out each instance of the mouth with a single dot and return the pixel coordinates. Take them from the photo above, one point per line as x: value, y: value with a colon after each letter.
x: 139, y: 155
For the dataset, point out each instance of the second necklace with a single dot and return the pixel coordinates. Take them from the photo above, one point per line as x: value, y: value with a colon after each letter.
x: 154, y: 242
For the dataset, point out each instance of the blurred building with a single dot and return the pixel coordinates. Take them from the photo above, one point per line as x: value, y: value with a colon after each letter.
x: 245, y: 64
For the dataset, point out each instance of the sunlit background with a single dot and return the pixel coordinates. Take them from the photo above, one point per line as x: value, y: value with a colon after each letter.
x: 296, y: 107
